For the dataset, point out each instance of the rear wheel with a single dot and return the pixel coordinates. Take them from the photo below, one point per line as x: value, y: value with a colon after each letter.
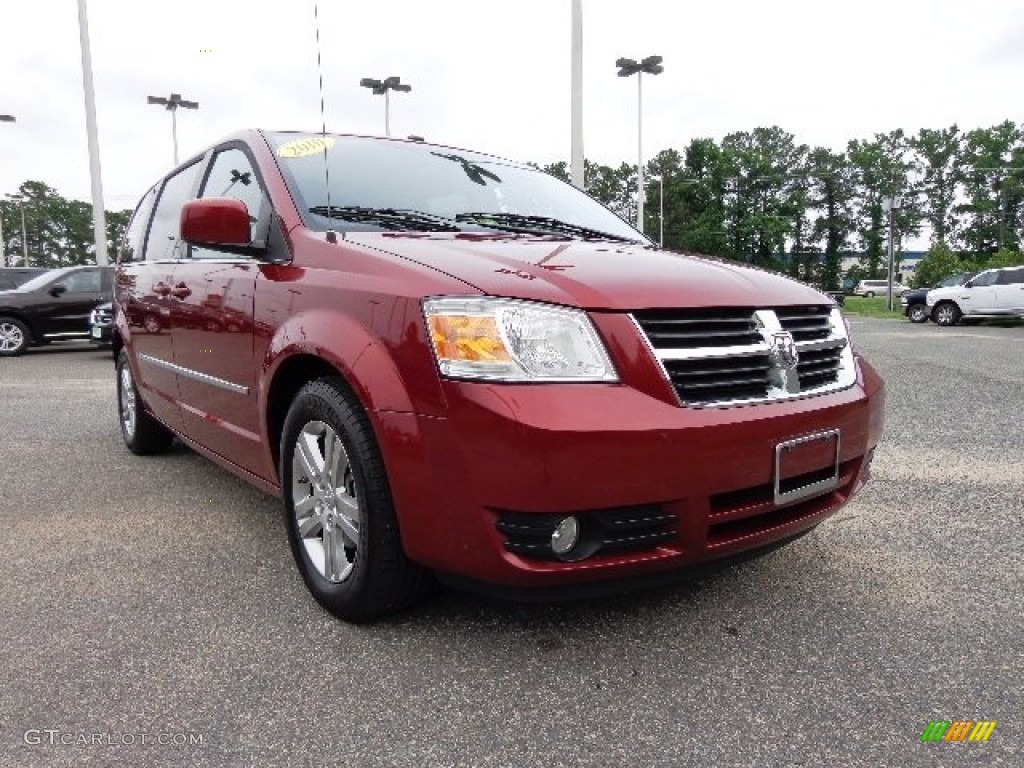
x: 946, y: 313
x: 14, y: 337
x: 143, y: 434
x: 339, y: 513
x: 917, y: 313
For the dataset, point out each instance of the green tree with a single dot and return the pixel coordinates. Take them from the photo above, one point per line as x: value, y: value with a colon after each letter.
x: 940, y: 262
x: 881, y: 169
x: 936, y: 159
x: 832, y: 196
x: 1005, y: 257
x: 992, y: 188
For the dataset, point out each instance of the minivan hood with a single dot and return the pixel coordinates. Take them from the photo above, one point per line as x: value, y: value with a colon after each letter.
x: 589, y: 274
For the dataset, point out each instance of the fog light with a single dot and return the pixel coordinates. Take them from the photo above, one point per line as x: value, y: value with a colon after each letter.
x: 566, y: 535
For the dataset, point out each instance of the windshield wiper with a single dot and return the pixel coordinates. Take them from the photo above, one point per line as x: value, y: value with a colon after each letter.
x: 542, y: 225
x: 391, y: 217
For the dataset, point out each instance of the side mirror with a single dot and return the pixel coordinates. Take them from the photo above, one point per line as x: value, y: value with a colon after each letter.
x: 969, y: 284
x: 58, y: 290
x: 215, y: 221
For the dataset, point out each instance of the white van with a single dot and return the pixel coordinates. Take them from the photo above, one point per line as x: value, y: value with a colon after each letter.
x: 871, y: 288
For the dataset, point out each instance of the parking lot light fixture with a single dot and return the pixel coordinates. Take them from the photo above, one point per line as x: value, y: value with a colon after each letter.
x: 384, y: 88
x: 20, y: 199
x: 627, y: 67
x: 171, y: 104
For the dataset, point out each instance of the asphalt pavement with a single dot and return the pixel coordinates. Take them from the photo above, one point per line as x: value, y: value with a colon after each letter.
x: 150, y: 612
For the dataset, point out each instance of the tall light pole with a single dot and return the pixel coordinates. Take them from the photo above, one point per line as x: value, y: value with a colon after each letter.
x: 889, y: 205
x: 384, y: 87
x: 3, y: 243
x: 652, y: 66
x: 577, y: 162
x: 661, y: 210
x: 20, y: 199
x: 99, y: 215
x: 171, y: 104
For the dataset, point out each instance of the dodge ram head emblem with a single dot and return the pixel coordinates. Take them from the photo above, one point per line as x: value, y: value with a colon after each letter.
x: 784, y: 353
x: 785, y: 357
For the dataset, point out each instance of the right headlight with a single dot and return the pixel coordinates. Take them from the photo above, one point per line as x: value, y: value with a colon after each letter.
x: 513, y: 340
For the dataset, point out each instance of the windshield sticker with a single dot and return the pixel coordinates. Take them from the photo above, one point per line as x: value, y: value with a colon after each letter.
x: 305, y: 147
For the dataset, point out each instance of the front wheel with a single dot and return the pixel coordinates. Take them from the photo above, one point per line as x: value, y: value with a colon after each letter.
x: 337, y: 503
x: 869, y: 294
x: 917, y: 313
x: 14, y: 337
x: 946, y: 313
x: 142, y: 434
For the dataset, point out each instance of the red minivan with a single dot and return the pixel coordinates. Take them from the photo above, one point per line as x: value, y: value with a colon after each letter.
x: 447, y: 363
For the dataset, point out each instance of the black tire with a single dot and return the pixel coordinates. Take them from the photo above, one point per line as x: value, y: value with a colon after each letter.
x: 946, y: 313
x: 373, y: 577
x: 142, y: 434
x: 869, y: 294
x: 14, y: 337
x: 917, y: 313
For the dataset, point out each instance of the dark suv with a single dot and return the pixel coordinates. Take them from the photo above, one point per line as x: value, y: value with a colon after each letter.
x: 53, y: 306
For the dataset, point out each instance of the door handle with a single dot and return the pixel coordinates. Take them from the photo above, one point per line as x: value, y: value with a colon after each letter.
x: 181, y: 291
x: 161, y: 288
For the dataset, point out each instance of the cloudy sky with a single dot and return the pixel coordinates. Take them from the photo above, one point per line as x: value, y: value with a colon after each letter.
x: 491, y: 75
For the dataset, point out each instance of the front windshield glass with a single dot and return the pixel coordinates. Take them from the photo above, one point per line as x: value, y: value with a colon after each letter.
x: 40, y: 280
x: 397, y: 176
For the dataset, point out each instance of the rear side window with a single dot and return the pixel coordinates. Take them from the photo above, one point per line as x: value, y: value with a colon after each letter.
x: 985, y: 278
x: 1011, y: 276
x: 164, y: 241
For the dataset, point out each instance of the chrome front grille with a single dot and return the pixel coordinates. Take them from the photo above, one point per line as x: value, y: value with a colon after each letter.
x: 736, y: 356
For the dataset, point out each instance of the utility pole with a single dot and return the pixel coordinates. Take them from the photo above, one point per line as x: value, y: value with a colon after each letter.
x: 890, y: 205
x: 99, y: 215
x: 3, y: 243
x: 577, y: 165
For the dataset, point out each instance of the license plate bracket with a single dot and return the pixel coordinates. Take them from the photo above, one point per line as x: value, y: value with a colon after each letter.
x: 806, y: 466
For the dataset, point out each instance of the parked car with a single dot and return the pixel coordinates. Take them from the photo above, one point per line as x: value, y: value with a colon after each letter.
x: 914, y: 302
x: 12, y: 277
x: 871, y: 288
x: 450, y: 363
x: 101, y: 323
x: 994, y: 293
x: 52, y: 306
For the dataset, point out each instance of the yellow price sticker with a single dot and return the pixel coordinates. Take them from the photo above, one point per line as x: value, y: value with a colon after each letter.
x: 305, y: 147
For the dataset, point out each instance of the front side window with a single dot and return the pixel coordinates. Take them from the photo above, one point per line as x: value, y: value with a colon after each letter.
x: 232, y: 175
x: 382, y: 185
x: 164, y: 241
x: 984, y: 279
x: 85, y: 281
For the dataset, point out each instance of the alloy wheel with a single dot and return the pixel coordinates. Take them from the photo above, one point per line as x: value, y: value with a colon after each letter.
x: 324, y: 500
x: 12, y: 338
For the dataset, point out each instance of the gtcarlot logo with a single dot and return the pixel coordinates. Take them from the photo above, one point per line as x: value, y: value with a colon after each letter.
x: 56, y: 737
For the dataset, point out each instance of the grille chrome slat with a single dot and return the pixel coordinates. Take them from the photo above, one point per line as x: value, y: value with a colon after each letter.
x: 699, y: 352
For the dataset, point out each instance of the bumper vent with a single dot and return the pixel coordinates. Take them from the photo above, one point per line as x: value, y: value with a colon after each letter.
x: 602, y: 531
x: 738, y: 356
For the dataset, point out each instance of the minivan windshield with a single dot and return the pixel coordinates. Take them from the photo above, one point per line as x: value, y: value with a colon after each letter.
x: 384, y: 185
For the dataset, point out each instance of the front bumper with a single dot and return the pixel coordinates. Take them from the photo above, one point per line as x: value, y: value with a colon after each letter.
x: 611, y: 454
